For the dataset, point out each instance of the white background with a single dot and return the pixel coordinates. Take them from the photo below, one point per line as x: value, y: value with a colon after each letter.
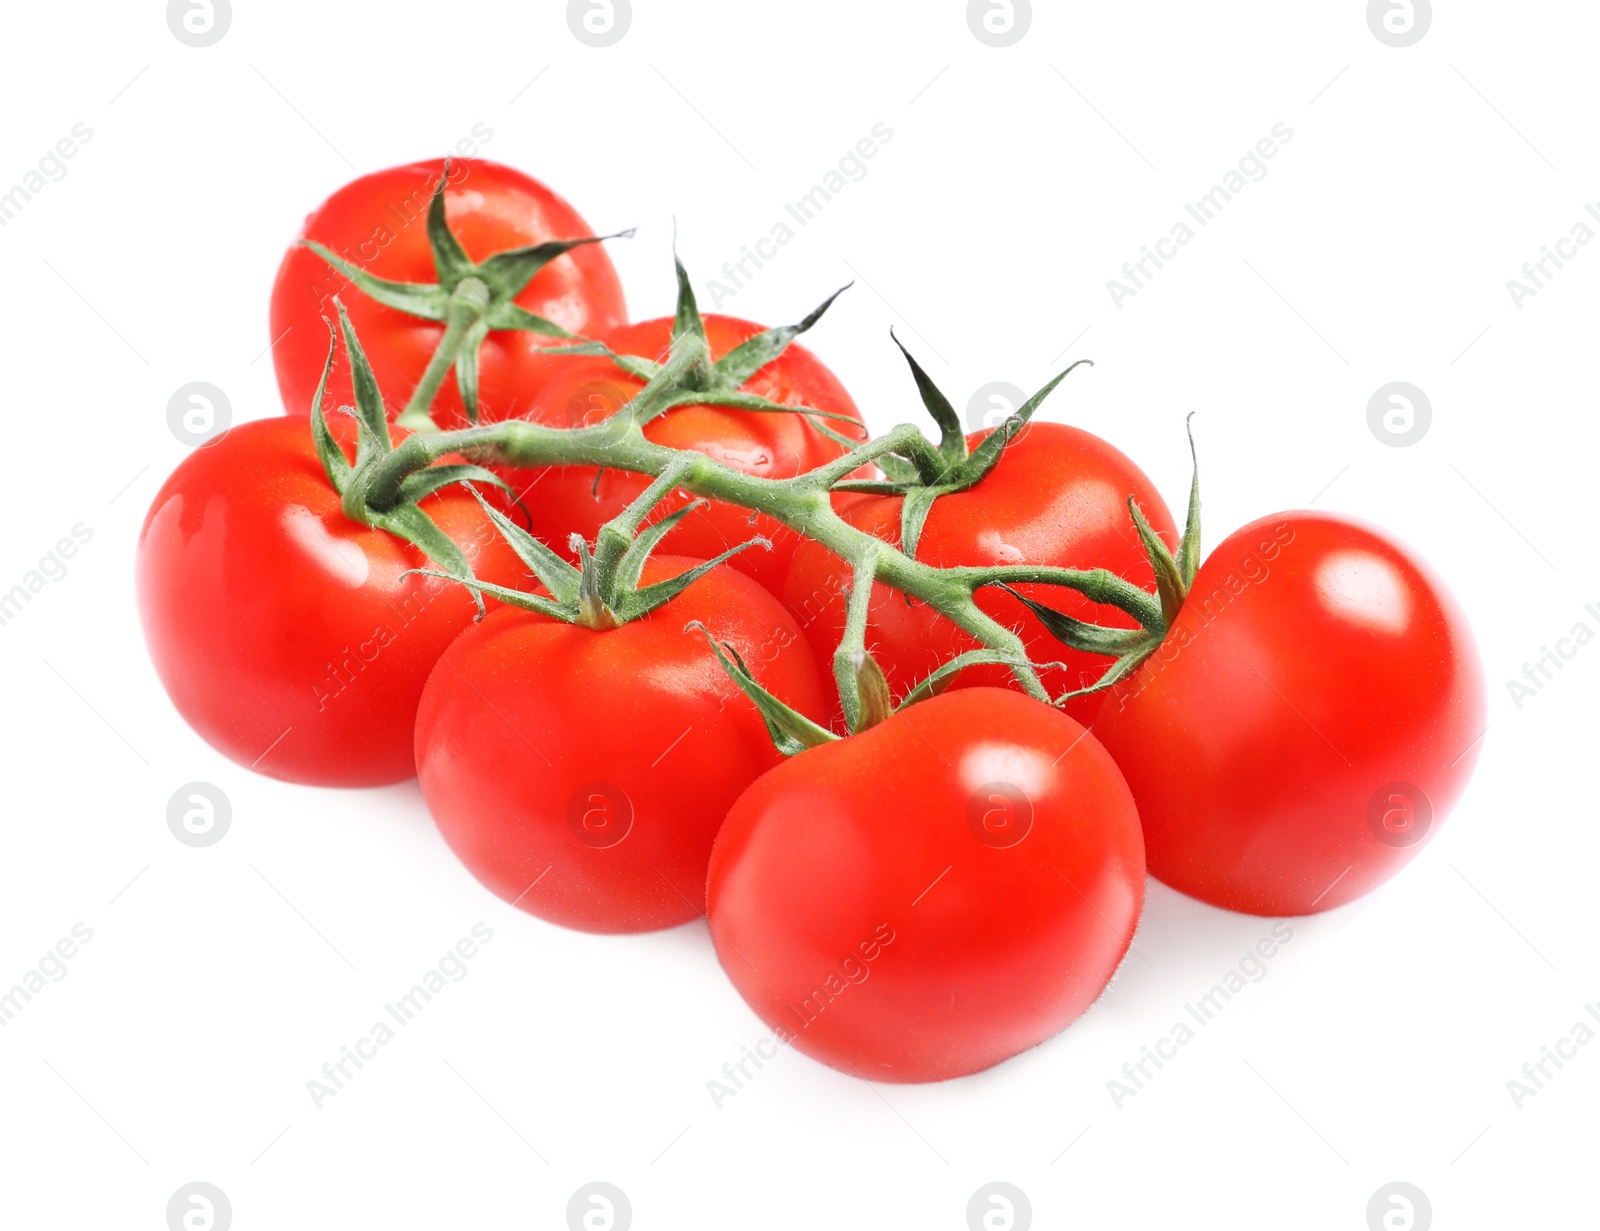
x: 1017, y: 182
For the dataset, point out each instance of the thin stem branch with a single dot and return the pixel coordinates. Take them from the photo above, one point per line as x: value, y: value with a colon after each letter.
x: 854, y: 641
x: 619, y: 534
x: 1099, y: 585
x: 906, y: 440
x: 468, y: 303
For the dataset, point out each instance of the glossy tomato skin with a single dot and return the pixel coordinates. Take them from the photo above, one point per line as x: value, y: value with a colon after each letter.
x: 582, y: 775
x: 934, y: 895
x: 1310, y: 720
x: 379, y: 222
x: 1058, y: 497
x: 284, y: 632
x: 564, y: 499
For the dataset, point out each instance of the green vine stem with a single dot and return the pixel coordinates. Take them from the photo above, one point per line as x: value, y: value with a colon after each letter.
x: 801, y: 503
x: 467, y: 305
x: 470, y: 299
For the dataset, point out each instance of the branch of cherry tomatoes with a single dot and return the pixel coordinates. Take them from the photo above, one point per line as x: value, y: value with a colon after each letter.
x: 907, y: 720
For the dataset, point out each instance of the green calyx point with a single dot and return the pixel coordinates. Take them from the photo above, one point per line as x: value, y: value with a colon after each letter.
x: 399, y: 515
x: 470, y: 299
x: 920, y: 480
x: 690, y: 377
x: 792, y: 732
x: 1174, y: 573
x: 602, y: 590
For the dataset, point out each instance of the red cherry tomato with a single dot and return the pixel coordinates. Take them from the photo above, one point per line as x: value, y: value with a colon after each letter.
x: 285, y: 633
x: 379, y: 222
x: 934, y: 895
x: 1058, y: 497
x: 582, y: 775
x: 564, y: 499
x: 1309, y: 721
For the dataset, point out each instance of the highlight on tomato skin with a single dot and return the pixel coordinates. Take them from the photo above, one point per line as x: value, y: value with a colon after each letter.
x: 934, y: 895
x: 1058, y: 497
x: 562, y: 500
x: 379, y: 222
x: 582, y: 775
x: 289, y: 637
x: 1309, y: 722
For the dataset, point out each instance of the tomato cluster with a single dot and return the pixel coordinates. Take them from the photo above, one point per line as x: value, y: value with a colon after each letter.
x: 909, y: 734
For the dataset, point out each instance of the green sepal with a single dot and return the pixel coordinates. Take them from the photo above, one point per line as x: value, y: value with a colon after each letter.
x: 1090, y: 638
x: 408, y: 522
x: 938, y: 680
x: 512, y: 598
x: 334, y: 463
x: 689, y: 377
x: 1170, y: 586
x: 790, y: 730
x: 914, y: 509
x: 554, y: 572
x: 466, y: 366
x: 631, y: 604
x: 872, y: 487
x: 896, y: 469
x: 958, y: 470
x: 585, y: 594
x: 374, y: 439
x: 509, y: 272
x: 985, y: 457
x: 735, y: 400
x: 425, y: 299
x: 686, y: 319
x: 631, y: 566
x: 637, y: 366
x: 450, y: 260
x: 1189, y: 546
x: 423, y: 483
x: 899, y: 470
x: 952, y: 435
x: 501, y: 315
x: 1117, y: 671
x: 664, y: 390
x: 753, y: 354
